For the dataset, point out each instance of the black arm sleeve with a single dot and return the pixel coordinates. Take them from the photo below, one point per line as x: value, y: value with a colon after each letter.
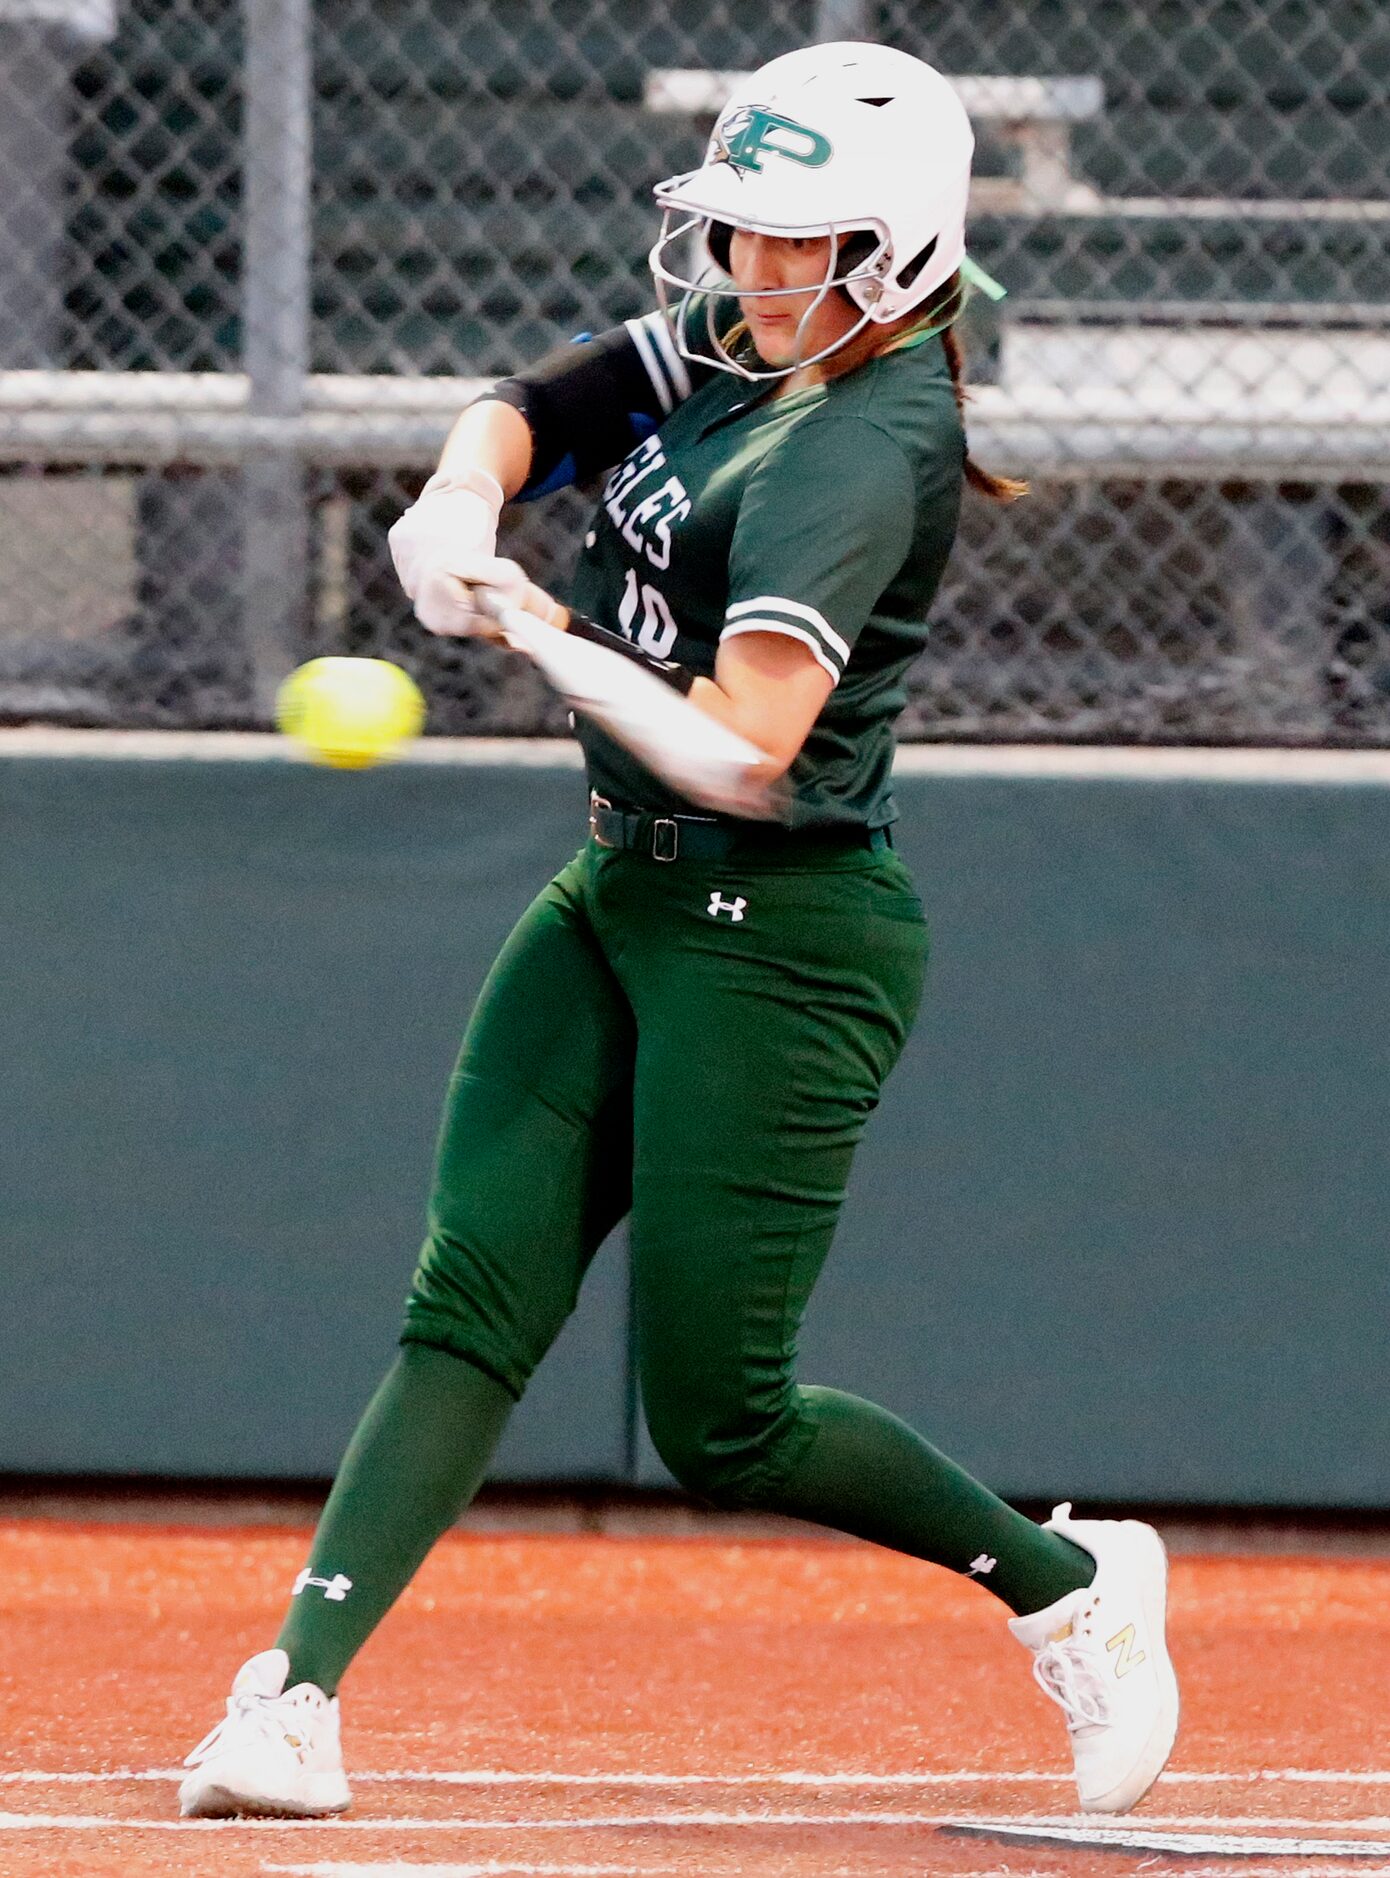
x: 678, y: 677
x: 579, y: 403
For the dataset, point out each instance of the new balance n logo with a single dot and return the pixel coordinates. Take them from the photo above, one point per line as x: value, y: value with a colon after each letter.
x: 335, y: 1589
x: 734, y: 908
x: 1127, y: 1658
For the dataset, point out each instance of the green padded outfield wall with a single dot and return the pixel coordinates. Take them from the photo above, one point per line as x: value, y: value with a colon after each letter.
x: 1119, y: 1231
x: 233, y: 995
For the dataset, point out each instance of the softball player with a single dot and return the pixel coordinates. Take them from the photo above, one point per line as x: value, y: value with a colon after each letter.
x: 693, y: 1022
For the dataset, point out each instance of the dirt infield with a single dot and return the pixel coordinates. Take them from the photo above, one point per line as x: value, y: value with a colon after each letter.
x: 587, y: 1705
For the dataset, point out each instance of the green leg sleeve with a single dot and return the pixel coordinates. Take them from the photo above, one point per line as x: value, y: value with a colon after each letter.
x: 417, y: 1459
x: 533, y: 1170
x: 867, y: 1473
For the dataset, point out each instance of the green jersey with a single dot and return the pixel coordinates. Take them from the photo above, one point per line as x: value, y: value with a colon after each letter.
x: 825, y: 514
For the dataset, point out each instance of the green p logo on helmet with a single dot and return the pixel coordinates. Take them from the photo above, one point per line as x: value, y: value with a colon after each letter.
x: 746, y: 135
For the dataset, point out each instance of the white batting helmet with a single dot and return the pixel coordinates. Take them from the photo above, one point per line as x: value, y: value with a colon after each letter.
x: 841, y: 140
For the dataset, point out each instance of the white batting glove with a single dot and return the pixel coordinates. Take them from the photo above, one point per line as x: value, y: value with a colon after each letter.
x: 440, y: 536
x: 450, y: 603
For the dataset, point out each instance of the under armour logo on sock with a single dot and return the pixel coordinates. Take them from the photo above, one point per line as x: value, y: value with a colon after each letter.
x: 734, y: 908
x: 335, y: 1589
x: 981, y: 1567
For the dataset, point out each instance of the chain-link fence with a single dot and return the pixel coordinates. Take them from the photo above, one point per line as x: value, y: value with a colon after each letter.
x: 251, y: 254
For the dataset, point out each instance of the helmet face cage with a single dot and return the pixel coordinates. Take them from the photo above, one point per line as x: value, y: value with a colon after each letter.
x: 710, y: 280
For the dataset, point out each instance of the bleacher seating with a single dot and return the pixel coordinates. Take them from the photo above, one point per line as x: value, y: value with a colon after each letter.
x: 452, y: 236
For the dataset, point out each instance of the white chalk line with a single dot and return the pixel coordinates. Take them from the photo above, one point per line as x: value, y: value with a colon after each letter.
x: 1064, y: 1823
x: 786, y: 1777
x: 493, y: 1869
x: 506, y: 1868
x: 1173, y: 1822
x: 1150, y: 1837
x: 608, y: 1822
x: 490, y: 1868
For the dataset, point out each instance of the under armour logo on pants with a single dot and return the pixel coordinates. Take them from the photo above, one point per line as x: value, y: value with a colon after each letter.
x: 734, y: 908
x: 335, y: 1589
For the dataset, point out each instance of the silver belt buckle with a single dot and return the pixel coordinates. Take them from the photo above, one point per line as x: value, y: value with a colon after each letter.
x: 659, y: 844
x: 597, y: 802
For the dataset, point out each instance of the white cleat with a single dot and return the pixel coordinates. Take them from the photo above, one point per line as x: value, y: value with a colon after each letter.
x: 1100, y: 1654
x: 274, y: 1754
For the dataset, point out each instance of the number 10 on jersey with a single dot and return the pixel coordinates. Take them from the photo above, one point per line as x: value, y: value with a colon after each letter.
x: 645, y: 617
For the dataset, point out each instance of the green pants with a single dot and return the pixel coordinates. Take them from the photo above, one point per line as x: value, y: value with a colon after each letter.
x: 699, y: 1045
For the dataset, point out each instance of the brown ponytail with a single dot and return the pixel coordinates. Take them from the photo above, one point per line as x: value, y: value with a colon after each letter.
x: 997, y: 488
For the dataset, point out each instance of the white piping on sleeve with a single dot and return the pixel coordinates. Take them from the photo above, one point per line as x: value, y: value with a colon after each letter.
x: 787, y: 632
x: 797, y: 611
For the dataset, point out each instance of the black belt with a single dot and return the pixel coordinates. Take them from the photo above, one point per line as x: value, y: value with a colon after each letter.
x: 704, y: 838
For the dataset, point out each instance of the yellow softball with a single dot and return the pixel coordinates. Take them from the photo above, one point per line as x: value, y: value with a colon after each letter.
x: 349, y: 712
